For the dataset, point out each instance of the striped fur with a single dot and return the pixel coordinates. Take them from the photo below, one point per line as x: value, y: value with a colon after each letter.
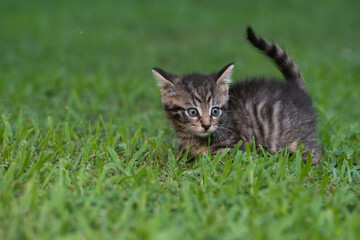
x: 283, y: 61
x: 277, y: 114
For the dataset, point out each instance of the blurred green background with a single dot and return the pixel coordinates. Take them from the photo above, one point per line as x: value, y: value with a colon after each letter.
x: 95, y: 57
x: 76, y: 85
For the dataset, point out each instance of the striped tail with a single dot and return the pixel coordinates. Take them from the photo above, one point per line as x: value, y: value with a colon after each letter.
x: 283, y: 61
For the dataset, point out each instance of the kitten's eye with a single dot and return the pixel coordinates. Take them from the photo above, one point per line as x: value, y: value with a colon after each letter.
x: 215, y: 112
x: 192, y: 112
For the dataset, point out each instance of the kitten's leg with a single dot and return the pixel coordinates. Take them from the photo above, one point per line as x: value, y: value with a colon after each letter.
x: 315, y: 156
x: 315, y: 151
x: 217, y: 148
x: 313, y: 148
x: 222, y: 149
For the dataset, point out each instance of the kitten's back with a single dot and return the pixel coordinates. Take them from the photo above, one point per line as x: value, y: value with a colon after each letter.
x: 275, y: 113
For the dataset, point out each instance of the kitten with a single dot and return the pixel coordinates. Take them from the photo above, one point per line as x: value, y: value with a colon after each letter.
x: 208, y: 113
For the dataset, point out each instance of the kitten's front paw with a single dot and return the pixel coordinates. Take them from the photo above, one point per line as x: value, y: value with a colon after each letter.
x: 199, y: 150
x: 213, y: 152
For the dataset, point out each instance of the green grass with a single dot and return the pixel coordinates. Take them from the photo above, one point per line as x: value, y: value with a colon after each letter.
x: 86, y: 151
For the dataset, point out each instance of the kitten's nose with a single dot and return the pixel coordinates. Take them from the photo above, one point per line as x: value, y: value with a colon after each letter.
x: 206, y: 126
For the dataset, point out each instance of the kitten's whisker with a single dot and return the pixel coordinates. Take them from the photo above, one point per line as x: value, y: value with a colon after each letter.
x: 227, y: 129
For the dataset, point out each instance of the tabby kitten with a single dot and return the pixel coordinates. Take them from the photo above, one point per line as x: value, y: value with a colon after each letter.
x: 208, y: 113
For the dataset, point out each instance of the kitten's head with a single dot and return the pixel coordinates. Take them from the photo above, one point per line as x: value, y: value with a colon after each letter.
x: 195, y: 104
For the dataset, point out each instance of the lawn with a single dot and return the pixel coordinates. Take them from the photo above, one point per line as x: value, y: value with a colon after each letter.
x: 86, y: 151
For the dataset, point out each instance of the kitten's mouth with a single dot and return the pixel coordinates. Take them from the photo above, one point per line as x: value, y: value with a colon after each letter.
x: 201, y: 132
x: 204, y: 134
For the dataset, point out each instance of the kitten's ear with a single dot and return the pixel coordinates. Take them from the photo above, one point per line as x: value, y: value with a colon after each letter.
x: 164, y: 79
x: 223, y: 77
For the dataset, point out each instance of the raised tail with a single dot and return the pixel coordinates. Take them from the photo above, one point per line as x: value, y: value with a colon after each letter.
x: 283, y: 61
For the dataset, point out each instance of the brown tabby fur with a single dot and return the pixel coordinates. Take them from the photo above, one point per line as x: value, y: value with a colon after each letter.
x: 206, y: 109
